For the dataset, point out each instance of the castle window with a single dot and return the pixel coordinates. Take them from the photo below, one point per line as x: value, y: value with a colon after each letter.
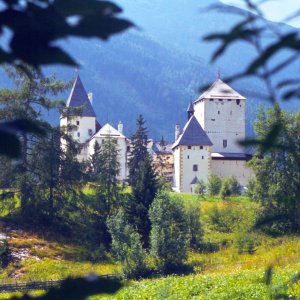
x: 224, y: 143
x: 231, y: 112
x: 78, y: 134
x: 218, y: 112
x: 238, y: 101
x: 202, y: 156
x: 77, y: 123
x: 188, y: 156
x: 201, y: 147
x: 90, y: 131
x: 211, y: 99
x: 189, y: 147
x: 195, y: 168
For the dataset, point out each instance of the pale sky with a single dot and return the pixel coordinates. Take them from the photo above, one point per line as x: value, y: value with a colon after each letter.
x: 275, y: 10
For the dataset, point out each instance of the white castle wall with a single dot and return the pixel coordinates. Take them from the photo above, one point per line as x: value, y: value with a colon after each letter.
x: 189, y: 158
x: 237, y: 168
x: 222, y: 119
x: 122, y: 146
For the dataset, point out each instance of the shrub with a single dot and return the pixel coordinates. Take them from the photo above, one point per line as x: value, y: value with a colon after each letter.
x: 230, y: 187
x: 214, y: 185
x: 200, y: 188
x: 127, y: 246
x: 194, y: 225
x: 169, y: 238
x: 5, y: 254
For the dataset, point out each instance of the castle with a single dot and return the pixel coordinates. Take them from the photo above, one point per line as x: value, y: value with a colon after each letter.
x: 208, y: 143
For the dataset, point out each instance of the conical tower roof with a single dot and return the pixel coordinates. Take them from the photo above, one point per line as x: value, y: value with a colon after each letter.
x: 193, y: 135
x: 220, y: 90
x: 78, y: 97
x: 191, y: 107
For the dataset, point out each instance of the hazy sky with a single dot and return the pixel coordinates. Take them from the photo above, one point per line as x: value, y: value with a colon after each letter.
x: 275, y: 10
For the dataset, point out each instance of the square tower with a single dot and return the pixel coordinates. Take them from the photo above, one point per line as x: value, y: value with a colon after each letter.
x: 221, y: 112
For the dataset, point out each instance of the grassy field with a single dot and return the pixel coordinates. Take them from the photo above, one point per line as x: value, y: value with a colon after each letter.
x: 221, y: 271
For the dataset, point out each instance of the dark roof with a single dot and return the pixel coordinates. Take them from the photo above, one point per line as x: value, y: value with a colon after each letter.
x: 161, y: 149
x: 193, y: 134
x: 191, y: 107
x: 78, y: 97
x: 195, y: 180
x: 230, y: 156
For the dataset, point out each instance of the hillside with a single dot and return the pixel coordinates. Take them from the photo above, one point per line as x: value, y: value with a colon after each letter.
x: 157, y: 68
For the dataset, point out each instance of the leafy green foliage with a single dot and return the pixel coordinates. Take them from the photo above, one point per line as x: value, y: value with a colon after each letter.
x: 169, y: 232
x: 200, y: 188
x: 5, y: 254
x: 214, y: 185
x: 127, y: 246
x: 230, y: 186
x: 277, y: 171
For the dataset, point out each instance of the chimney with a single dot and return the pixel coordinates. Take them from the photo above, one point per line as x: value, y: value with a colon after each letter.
x: 120, y: 127
x: 177, y: 131
x: 90, y: 96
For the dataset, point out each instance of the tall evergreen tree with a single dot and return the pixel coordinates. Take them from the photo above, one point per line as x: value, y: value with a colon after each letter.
x: 139, y: 151
x: 143, y: 195
x: 32, y: 95
x: 108, y: 166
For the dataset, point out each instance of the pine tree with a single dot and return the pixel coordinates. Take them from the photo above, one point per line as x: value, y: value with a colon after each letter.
x: 139, y: 151
x: 108, y: 167
x: 32, y: 95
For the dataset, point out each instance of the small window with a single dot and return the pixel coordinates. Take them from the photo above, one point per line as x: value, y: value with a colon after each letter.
x: 195, y: 168
x: 77, y: 123
x: 128, y: 148
x: 218, y: 112
x: 90, y: 131
x: 201, y: 147
x: 238, y: 101
x: 213, y: 119
x: 202, y: 156
x: 224, y: 143
x: 231, y: 112
x: 188, y: 156
x: 189, y: 147
x: 78, y: 134
x: 211, y: 99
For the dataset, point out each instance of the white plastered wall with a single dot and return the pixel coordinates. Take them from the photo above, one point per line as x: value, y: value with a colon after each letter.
x: 122, y: 145
x: 237, y: 168
x: 222, y: 119
x: 190, y: 157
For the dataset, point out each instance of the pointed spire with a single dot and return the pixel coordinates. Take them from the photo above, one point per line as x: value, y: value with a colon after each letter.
x: 190, y: 110
x: 218, y: 73
x: 78, y: 97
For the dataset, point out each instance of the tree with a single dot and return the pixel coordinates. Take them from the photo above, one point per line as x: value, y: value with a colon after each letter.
x: 31, y: 96
x: 108, y: 167
x: 143, y: 195
x: 225, y: 190
x: 126, y: 245
x: 200, y: 188
x: 214, y: 185
x: 169, y: 232
x: 139, y: 151
x: 277, y: 172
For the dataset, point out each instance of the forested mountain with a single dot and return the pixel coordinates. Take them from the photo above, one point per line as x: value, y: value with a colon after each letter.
x: 157, y: 68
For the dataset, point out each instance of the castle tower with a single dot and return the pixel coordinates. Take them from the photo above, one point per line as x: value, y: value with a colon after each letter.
x: 84, y: 122
x: 192, y: 157
x: 221, y: 113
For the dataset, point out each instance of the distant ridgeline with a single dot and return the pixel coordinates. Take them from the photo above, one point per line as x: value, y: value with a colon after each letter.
x: 157, y: 70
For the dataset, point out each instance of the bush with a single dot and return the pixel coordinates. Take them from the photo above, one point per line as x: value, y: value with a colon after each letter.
x: 5, y: 254
x: 200, y: 188
x: 194, y: 225
x: 169, y: 238
x: 244, y: 241
x: 230, y: 187
x: 214, y: 185
x: 127, y: 246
